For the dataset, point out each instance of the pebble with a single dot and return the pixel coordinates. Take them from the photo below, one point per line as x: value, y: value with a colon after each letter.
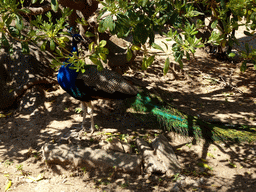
x: 175, y: 188
x: 64, y: 181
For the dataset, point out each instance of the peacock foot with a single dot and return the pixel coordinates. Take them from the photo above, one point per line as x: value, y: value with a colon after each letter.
x: 85, y: 129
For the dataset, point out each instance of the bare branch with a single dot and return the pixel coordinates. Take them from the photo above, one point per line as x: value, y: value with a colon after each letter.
x: 36, y: 10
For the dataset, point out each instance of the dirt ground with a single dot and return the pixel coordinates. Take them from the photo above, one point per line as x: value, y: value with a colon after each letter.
x: 207, y: 88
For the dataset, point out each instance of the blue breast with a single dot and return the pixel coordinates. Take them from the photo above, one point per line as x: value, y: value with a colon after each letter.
x: 67, y: 77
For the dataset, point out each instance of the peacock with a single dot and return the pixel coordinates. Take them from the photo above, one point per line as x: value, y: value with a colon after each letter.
x: 106, y: 84
x: 92, y: 84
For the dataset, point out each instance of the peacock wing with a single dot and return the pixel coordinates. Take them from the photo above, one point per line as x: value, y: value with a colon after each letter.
x: 106, y: 80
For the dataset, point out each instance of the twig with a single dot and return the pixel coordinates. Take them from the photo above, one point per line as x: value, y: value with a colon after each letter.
x: 36, y: 10
x: 226, y: 84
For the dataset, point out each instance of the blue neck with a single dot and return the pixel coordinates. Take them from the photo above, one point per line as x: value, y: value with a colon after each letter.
x: 66, y: 76
x: 74, y: 48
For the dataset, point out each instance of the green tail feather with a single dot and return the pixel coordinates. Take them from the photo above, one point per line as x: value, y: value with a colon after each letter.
x: 171, y: 119
x: 186, y: 125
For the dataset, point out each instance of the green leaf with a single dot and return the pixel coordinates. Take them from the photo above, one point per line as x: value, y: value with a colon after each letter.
x: 94, y: 59
x: 243, y: 66
x: 89, y: 34
x: 4, y: 41
x: 144, y: 2
x: 166, y: 65
x: 231, y: 55
x: 178, y: 58
x: 55, y: 63
x: 103, y: 57
x: 49, y: 14
x: 129, y: 55
x: 14, y: 31
x: 196, y: 13
x: 99, y: 66
x: 135, y: 48
x: 180, y: 63
x: 82, y: 21
x: 33, y: 1
x: 105, y: 51
x: 166, y: 46
x: 156, y: 46
x: 144, y: 65
x: 108, y: 23
x: 193, y: 13
x: 187, y: 55
x: 43, y: 46
x: 91, y: 46
x: 102, y: 43
x: 63, y: 39
x: 59, y: 52
x: 9, y: 184
x: 194, y: 33
x: 232, y: 164
x: 25, y: 48
x: 150, y: 60
x: 204, y: 165
x: 25, y: 10
x: 101, y: 28
x: 248, y: 33
x: 171, y: 34
x: 255, y: 66
x: 54, y: 5
x: 52, y: 45
x: 19, y: 23
x: 8, y: 21
x: 141, y: 33
x: 214, y: 24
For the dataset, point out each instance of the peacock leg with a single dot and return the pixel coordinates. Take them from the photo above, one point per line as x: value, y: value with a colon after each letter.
x: 90, y: 111
x: 84, y: 107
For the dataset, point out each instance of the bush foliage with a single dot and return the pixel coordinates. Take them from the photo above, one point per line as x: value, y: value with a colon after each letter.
x: 141, y: 19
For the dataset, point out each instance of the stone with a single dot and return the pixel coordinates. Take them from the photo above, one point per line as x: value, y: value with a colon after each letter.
x: 151, y: 163
x: 175, y: 188
x: 165, y: 152
x: 109, y: 130
x: 116, y: 145
x: 160, y: 160
x: 91, y: 158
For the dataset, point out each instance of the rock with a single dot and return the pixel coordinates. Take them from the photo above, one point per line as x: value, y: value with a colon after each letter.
x: 116, y: 145
x: 181, y: 181
x: 162, y: 159
x: 175, y: 188
x: 165, y: 152
x: 151, y: 162
x: 187, y: 182
x: 109, y: 130
x: 191, y: 182
x: 91, y: 158
x: 200, y: 181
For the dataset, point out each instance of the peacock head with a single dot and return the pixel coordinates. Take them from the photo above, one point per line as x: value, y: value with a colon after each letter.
x: 77, y: 38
